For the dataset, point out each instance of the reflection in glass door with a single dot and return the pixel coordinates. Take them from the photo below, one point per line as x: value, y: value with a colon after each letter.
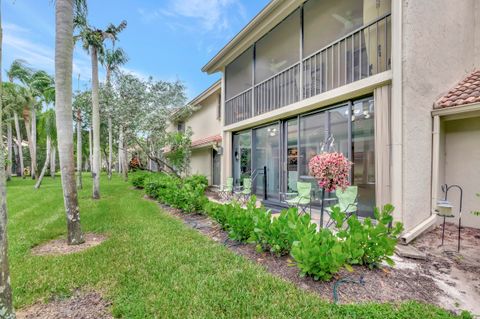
x: 266, y: 153
x: 242, y: 157
x: 291, y: 156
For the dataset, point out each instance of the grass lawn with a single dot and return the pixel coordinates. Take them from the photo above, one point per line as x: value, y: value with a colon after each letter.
x: 152, y: 266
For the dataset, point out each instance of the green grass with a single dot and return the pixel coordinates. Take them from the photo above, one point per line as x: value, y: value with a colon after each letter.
x: 152, y: 266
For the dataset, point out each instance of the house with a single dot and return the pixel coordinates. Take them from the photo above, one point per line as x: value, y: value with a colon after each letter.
x: 367, y: 73
x: 205, y: 122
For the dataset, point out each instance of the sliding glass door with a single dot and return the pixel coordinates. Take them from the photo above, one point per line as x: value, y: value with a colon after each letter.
x: 284, y: 149
x: 266, y: 155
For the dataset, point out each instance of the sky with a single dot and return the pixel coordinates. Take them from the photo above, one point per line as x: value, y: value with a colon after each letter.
x: 166, y: 39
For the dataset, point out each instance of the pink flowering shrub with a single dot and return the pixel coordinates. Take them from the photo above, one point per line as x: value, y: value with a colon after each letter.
x: 331, y: 170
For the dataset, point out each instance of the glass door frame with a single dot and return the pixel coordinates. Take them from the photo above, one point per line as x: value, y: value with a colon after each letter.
x: 283, y: 141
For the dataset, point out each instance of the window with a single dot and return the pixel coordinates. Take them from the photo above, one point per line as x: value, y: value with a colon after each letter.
x: 181, y: 127
x: 238, y: 74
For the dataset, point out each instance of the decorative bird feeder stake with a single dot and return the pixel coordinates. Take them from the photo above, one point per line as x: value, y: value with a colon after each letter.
x: 445, y: 210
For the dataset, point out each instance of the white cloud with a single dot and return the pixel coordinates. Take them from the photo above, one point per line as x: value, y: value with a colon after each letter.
x: 40, y: 56
x: 12, y: 27
x: 209, y: 15
x: 136, y: 73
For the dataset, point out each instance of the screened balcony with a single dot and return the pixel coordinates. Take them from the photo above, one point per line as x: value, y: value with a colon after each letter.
x: 321, y: 46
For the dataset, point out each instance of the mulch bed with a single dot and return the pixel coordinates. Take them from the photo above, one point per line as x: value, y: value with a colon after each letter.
x: 383, y: 284
x: 61, y: 247
x: 458, y: 273
x: 81, y: 305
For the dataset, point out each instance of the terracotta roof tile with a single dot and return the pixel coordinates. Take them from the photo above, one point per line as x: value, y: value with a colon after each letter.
x: 465, y: 92
x: 206, y: 140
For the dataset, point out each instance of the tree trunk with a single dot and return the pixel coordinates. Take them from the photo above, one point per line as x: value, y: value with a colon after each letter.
x: 95, y: 125
x: 9, y: 150
x: 6, y: 304
x: 19, y: 143
x: 47, y: 162
x: 17, y: 159
x: 119, y: 157
x: 79, y: 149
x: 63, y: 111
x: 110, y: 147
x: 123, y: 154
x: 53, y: 161
x: 90, y: 157
x: 34, y: 144
x: 26, y: 114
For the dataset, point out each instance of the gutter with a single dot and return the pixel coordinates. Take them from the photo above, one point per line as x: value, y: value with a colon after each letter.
x: 413, y: 233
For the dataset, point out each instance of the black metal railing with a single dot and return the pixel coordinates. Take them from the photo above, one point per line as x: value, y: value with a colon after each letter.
x: 358, y: 55
x: 277, y: 91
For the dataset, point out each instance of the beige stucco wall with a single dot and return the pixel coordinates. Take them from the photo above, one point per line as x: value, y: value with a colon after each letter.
x: 462, y: 165
x: 438, y: 49
x: 201, y: 163
x: 204, y: 122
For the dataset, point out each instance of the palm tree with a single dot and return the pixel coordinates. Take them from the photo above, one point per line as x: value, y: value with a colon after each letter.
x: 112, y: 60
x: 9, y: 149
x: 19, y: 71
x: 93, y: 42
x: 47, y: 125
x: 15, y: 98
x: 6, y: 305
x: 43, y: 88
x: 64, y: 10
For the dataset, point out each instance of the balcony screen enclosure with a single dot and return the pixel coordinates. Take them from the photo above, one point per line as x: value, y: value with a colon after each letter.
x: 285, y: 147
x: 322, y: 45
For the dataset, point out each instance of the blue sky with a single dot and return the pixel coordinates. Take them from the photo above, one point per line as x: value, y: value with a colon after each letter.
x: 168, y: 39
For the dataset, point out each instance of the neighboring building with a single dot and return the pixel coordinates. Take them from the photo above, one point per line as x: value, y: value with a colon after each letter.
x: 366, y: 72
x: 205, y: 123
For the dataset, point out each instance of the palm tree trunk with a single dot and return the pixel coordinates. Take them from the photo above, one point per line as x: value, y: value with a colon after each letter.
x: 6, y: 304
x: 19, y: 143
x: 63, y: 111
x: 119, y: 157
x: 90, y: 157
x: 110, y: 147
x: 9, y: 150
x: 123, y: 154
x: 53, y: 161
x: 95, y: 125
x: 28, y: 128
x: 79, y: 149
x: 34, y: 143
x: 45, y: 166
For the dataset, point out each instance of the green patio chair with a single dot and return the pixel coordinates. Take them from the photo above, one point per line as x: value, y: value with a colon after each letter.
x: 347, y: 201
x: 303, y: 198
x: 226, y: 192
x: 246, y: 191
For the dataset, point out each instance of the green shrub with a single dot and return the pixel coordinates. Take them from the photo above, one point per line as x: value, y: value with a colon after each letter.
x: 196, y: 180
x: 240, y: 221
x: 319, y: 254
x: 368, y: 243
x: 278, y: 235
x: 218, y: 212
x: 187, y: 195
x: 138, y: 179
